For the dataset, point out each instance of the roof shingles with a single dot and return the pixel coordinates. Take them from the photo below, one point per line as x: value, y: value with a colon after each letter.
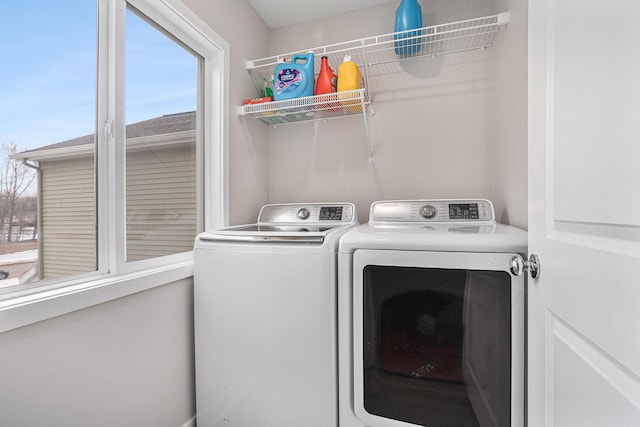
x: 169, y: 123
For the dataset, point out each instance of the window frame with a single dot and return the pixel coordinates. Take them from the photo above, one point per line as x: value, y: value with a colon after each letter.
x: 114, y: 277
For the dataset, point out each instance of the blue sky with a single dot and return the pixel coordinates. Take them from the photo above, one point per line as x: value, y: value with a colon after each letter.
x: 48, y: 72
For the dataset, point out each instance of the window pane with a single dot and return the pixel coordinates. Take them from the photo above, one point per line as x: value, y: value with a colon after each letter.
x: 47, y: 119
x: 161, y: 116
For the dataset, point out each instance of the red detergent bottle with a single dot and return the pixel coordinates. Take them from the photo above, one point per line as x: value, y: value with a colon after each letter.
x: 327, y: 79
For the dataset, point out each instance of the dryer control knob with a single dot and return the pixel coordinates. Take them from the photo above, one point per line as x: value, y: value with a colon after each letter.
x: 303, y: 213
x: 428, y: 211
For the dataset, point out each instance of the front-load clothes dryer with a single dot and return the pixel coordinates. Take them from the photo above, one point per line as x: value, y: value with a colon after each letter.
x: 431, y: 319
x: 265, y: 318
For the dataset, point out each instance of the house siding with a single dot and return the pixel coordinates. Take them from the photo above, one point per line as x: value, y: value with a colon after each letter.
x: 161, y: 201
x: 161, y: 208
x: 68, y: 241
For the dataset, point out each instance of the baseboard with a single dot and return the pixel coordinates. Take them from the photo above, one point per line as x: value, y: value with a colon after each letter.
x: 190, y: 423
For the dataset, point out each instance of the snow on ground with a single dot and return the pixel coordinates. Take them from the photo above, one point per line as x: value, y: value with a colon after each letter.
x: 18, y: 257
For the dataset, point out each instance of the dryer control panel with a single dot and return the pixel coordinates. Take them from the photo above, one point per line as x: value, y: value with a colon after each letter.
x: 433, y: 210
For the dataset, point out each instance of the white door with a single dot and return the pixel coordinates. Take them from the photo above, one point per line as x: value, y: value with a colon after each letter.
x: 584, y: 213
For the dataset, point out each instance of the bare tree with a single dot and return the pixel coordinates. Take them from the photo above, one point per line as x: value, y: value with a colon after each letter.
x: 26, y: 213
x: 15, y: 180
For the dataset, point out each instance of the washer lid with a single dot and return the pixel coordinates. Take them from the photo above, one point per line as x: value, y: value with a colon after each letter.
x: 271, y: 233
x: 290, y: 223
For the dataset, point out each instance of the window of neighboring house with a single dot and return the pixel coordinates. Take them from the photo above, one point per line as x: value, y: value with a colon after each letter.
x: 108, y: 135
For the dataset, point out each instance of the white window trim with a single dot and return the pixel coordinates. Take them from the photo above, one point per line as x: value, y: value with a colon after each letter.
x: 48, y: 300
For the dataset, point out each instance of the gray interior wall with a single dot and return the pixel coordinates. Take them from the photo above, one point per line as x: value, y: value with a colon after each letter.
x: 453, y: 126
x: 128, y: 362
x: 508, y: 147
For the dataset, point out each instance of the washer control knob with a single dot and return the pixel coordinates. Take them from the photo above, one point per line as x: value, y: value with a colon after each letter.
x: 428, y: 211
x: 303, y: 213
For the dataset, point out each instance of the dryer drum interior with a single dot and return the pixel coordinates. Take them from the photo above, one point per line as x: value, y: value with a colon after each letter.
x: 437, y: 345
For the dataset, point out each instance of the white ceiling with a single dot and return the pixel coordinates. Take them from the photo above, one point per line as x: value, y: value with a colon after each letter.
x: 280, y: 13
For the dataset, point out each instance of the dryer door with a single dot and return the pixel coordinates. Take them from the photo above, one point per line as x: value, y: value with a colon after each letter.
x: 438, y: 339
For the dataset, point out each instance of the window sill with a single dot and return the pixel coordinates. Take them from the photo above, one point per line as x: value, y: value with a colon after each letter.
x: 25, y: 310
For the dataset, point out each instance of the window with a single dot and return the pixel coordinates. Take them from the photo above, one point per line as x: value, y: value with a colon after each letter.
x: 48, y: 120
x: 112, y: 137
x: 161, y: 141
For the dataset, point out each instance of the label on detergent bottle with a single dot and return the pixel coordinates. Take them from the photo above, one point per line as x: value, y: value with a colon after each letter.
x: 295, y: 79
x: 287, y: 81
x: 349, y: 78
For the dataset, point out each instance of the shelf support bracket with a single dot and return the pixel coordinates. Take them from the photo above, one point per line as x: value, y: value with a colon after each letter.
x: 365, y: 118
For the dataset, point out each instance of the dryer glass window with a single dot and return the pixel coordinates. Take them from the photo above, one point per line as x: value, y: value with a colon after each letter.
x: 437, y: 346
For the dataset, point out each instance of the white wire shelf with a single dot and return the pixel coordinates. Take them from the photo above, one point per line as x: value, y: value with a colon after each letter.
x: 478, y: 33
x: 309, y: 107
x: 367, y: 53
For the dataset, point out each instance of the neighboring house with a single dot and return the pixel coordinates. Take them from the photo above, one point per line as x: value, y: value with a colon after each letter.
x: 161, y: 200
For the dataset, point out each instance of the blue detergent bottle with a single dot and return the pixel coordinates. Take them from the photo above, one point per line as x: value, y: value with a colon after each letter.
x: 408, y: 17
x: 294, y: 79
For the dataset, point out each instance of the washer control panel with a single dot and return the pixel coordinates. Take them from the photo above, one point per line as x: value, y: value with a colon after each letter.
x: 440, y: 210
x: 308, y: 213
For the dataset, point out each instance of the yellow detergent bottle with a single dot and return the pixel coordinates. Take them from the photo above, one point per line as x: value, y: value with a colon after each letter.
x: 349, y: 78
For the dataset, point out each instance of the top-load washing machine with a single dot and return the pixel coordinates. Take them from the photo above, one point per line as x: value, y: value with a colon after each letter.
x: 431, y: 318
x: 265, y: 318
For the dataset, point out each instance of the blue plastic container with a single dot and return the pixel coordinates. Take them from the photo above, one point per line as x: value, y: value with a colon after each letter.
x: 295, y: 79
x: 408, y: 17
